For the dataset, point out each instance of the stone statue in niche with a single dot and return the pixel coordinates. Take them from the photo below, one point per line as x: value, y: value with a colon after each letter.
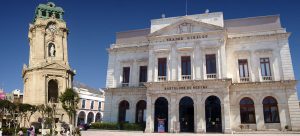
x: 52, y: 50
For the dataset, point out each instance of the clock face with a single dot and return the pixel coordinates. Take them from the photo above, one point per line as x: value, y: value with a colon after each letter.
x: 52, y: 28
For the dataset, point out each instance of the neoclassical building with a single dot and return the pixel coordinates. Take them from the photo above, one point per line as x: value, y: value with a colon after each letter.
x: 90, y: 106
x: 48, y: 73
x: 201, y: 73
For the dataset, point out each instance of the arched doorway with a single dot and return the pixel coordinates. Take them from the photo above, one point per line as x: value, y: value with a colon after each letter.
x: 53, y: 91
x: 247, y: 111
x: 90, y: 118
x: 271, y: 113
x: 123, y: 106
x: 161, y: 112
x: 98, y: 117
x: 186, y: 114
x: 139, y: 113
x: 81, y: 118
x: 213, y: 114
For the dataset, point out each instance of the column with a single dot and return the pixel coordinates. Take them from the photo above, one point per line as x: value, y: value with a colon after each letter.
x: 259, y: 113
x: 149, y: 117
x: 254, y: 67
x: 282, y: 115
x: 200, y: 115
x: 173, y: 65
x: 197, y: 61
x: 223, y: 61
x: 173, y: 116
x: 226, y: 111
x: 131, y: 113
x: 134, y: 74
x: 151, y: 67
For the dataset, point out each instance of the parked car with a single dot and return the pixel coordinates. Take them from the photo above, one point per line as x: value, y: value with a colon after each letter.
x: 84, y: 127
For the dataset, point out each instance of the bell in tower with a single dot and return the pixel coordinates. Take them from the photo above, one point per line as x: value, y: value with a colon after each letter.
x: 48, y: 73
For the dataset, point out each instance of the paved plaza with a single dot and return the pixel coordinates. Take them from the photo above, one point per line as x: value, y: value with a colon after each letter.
x: 132, y: 133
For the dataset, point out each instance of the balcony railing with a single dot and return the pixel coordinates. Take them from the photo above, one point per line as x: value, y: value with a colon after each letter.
x: 244, y: 79
x: 211, y: 76
x: 266, y: 78
x: 161, y: 78
x: 125, y: 84
x: 186, y: 77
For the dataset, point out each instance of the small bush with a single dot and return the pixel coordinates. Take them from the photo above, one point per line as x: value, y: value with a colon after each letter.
x: 134, y: 127
x: 117, y: 126
x: 8, y: 131
x: 105, y: 125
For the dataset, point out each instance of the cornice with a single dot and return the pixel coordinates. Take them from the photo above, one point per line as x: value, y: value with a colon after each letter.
x: 255, y: 38
x: 190, y: 84
x: 284, y: 84
x: 130, y: 49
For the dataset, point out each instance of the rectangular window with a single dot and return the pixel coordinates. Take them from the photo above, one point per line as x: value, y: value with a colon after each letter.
x: 162, y: 69
x: 243, y: 68
x: 211, y: 67
x: 211, y: 64
x: 126, y: 74
x: 143, y: 74
x: 92, y: 104
x: 99, y: 106
x: 265, y: 69
x: 186, y: 67
x: 83, y: 104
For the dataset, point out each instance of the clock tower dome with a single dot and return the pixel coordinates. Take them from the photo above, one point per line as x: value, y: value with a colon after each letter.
x: 48, y: 73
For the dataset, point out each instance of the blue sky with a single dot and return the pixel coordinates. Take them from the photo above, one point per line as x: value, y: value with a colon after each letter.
x: 93, y: 24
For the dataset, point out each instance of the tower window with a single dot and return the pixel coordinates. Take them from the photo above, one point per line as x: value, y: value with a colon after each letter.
x: 57, y: 16
x: 43, y: 13
x: 50, y: 14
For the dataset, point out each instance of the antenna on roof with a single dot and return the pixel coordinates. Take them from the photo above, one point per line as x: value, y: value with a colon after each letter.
x: 186, y: 7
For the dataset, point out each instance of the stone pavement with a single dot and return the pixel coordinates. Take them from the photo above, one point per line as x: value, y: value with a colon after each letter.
x: 139, y: 133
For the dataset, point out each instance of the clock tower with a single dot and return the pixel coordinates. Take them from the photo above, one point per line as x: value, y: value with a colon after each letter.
x: 48, y: 73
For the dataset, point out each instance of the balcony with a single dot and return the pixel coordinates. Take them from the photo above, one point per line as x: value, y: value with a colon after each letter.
x: 162, y: 78
x: 211, y: 76
x: 125, y: 84
x: 267, y: 78
x: 186, y: 77
x: 244, y: 79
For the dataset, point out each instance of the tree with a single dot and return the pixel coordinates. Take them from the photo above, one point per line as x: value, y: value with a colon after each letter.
x: 69, y: 100
x: 27, y: 111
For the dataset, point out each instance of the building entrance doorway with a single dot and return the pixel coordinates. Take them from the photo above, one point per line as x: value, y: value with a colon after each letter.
x: 161, y: 113
x: 186, y: 114
x: 213, y: 114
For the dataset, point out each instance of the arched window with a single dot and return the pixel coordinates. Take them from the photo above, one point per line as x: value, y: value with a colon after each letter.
x: 52, y: 91
x: 81, y: 118
x: 90, y: 118
x: 140, y: 111
x: 98, y: 117
x: 123, y: 106
x: 247, y: 111
x: 271, y: 114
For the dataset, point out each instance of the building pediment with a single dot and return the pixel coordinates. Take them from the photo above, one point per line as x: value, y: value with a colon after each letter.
x: 55, y: 66
x: 185, y: 26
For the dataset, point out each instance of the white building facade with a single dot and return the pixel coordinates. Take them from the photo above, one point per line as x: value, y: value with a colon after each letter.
x: 90, y: 106
x: 201, y: 73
